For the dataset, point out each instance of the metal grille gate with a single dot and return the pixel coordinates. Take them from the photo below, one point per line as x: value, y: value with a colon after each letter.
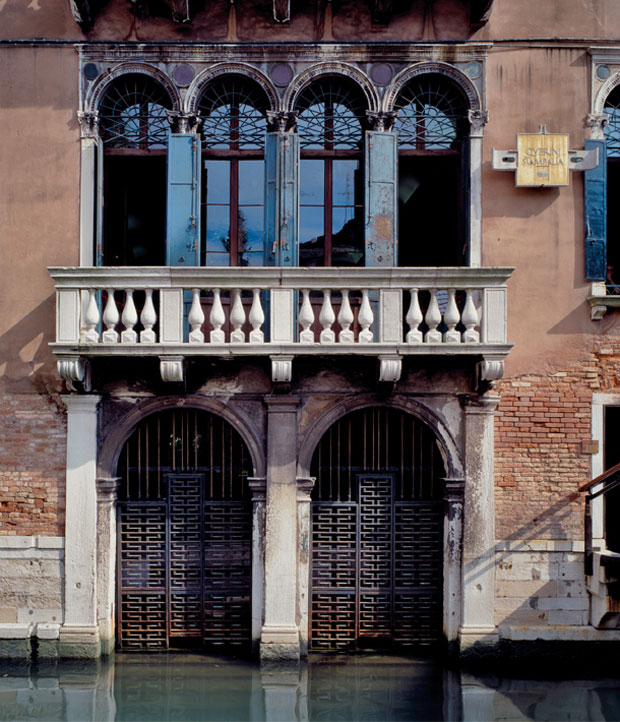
x: 184, y: 539
x: 377, y: 540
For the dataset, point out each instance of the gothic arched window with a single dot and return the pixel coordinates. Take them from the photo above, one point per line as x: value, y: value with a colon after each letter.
x: 133, y: 125
x: 612, y: 136
x: 233, y: 110
x: 431, y: 125
x: 331, y: 121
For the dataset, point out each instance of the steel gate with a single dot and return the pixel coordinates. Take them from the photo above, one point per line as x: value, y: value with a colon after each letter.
x: 184, y: 536
x: 377, y: 538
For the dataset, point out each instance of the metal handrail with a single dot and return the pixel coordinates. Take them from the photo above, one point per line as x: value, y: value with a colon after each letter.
x: 612, y: 474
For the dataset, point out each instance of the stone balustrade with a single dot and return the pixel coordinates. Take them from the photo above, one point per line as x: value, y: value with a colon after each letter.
x: 282, y: 312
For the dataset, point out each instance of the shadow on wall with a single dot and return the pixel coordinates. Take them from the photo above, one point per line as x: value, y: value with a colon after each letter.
x: 26, y: 361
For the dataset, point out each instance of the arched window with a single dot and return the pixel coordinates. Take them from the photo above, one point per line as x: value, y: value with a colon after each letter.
x: 332, y: 114
x: 612, y: 136
x: 431, y: 125
x: 233, y: 109
x: 134, y: 130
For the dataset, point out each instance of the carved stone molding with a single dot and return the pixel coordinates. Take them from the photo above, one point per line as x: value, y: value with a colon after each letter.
x: 381, y: 120
x: 597, y: 122
x: 172, y: 368
x: 75, y: 370
x: 203, y: 79
x: 478, y: 119
x: 281, y: 121
x: 453, y: 489
x: 488, y: 371
x: 89, y: 124
x: 480, y: 403
x: 258, y: 487
x: 106, y: 490
x: 184, y: 122
x: 281, y: 369
x: 390, y: 368
x: 304, y: 488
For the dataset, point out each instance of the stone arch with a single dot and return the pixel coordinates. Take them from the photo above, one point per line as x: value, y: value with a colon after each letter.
x: 448, y: 448
x: 98, y: 90
x: 202, y: 80
x: 449, y: 71
x: 111, y: 445
x: 331, y: 68
x: 604, y: 92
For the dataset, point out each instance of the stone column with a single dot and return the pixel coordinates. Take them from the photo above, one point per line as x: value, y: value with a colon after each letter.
x: 478, y: 119
x: 453, y: 571
x: 79, y: 635
x: 89, y: 145
x: 106, y: 560
x: 257, y: 486
x: 478, y: 624
x: 304, y: 490
x: 280, y: 635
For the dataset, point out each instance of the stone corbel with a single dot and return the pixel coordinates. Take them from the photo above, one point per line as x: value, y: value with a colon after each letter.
x: 304, y: 488
x: 597, y: 122
x: 107, y: 489
x: 477, y: 119
x: 75, y: 370
x: 390, y: 368
x: 282, y: 11
x: 281, y: 121
x: 258, y: 487
x: 381, y: 121
x: 172, y: 368
x: 281, y: 369
x: 183, y: 122
x: 488, y: 371
x: 89, y: 124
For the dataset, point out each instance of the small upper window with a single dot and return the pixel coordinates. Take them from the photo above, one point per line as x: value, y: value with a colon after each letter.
x: 133, y: 113
x: 432, y: 114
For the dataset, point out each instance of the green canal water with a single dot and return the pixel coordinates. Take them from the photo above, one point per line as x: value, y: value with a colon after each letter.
x: 188, y: 687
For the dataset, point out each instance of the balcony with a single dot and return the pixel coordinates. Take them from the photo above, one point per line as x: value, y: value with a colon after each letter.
x: 174, y: 313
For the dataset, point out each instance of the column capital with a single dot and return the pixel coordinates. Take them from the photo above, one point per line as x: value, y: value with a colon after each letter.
x: 184, y: 122
x: 281, y: 403
x: 258, y: 487
x: 282, y: 121
x: 89, y: 124
x: 597, y: 122
x: 477, y: 119
x: 480, y: 404
x: 85, y: 403
x: 107, y: 488
x: 381, y: 121
x: 453, y: 489
x: 304, y: 487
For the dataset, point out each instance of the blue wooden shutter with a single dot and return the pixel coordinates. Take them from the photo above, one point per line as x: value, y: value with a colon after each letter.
x: 183, y: 209
x: 281, y: 198
x: 596, y: 214
x: 381, y: 201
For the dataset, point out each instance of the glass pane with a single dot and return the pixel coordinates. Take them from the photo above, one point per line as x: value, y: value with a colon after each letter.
x: 252, y: 259
x: 218, y: 259
x: 347, y: 237
x: 250, y: 230
x: 251, y: 182
x: 218, y: 228
x: 311, y: 238
x: 345, y: 174
x: 217, y: 179
x: 311, y: 180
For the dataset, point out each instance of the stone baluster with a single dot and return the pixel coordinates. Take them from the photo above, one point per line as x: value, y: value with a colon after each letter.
x: 433, y: 319
x: 91, y: 318
x: 217, y: 318
x: 470, y: 320
x: 111, y: 317
x: 345, y: 319
x: 451, y: 317
x: 414, y: 318
x: 257, y: 318
x: 327, y: 318
x: 306, y: 318
x: 365, y: 319
x: 148, y: 318
x: 196, y: 318
x: 237, y: 318
x: 129, y: 319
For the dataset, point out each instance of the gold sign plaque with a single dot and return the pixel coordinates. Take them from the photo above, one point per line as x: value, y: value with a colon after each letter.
x: 542, y: 159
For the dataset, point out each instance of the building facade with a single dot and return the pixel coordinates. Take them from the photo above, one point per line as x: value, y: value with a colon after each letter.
x: 294, y: 356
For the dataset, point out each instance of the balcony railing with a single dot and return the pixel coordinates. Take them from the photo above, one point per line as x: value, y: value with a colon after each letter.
x: 281, y: 312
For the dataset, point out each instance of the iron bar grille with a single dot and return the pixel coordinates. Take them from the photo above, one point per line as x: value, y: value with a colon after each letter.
x: 432, y: 114
x: 133, y: 113
x: 184, y: 535
x: 377, y: 534
x: 612, y: 130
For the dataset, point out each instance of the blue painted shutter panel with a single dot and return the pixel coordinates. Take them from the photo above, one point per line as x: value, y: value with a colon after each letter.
x: 183, y: 209
x: 596, y: 214
x: 381, y: 198
x: 281, y: 200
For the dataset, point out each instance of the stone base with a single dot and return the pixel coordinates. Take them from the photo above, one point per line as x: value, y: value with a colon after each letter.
x: 77, y: 642
x: 15, y: 649
x: 47, y: 649
x: 279, y: 644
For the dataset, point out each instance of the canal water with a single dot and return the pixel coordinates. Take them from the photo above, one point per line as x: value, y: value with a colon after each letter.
x: 184, y: 687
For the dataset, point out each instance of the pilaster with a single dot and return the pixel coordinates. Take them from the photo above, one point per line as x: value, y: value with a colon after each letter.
x: 106, y: 560
x: 454, y: 490
x: 478, y: 119
x: 304, y: 491
x: 258, y: 488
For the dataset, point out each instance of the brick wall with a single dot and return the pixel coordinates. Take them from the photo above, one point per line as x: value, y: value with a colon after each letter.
x: 32, y: 465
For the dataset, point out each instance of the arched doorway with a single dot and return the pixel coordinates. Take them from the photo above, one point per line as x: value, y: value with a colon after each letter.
x: 377, y: 534
x: 184, y: 524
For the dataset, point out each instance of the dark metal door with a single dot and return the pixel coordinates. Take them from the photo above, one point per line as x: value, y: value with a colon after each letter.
x: 376, y: 570
x: 184, y: 568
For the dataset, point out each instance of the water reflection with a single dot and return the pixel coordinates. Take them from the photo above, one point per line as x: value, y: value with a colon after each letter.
x: 196, y: 687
